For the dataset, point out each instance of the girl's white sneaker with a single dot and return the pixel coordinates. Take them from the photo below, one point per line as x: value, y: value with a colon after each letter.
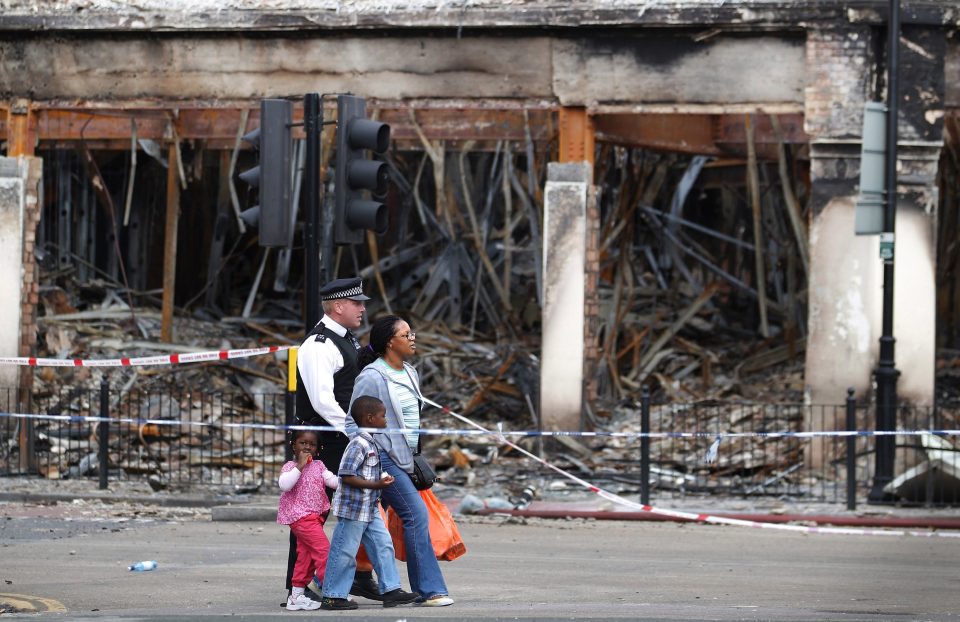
x: 301, y: 603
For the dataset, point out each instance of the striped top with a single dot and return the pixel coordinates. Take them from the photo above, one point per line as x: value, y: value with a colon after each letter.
x: 409, y: 401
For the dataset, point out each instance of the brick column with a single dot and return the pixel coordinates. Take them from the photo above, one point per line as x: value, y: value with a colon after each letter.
x: 30, y: 290
x: 591, y: 300
x: 19, y: 214
x: 846, y: 274
x: 577, y: 143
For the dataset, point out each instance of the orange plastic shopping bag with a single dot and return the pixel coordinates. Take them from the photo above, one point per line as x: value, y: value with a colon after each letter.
x: 447, y: 543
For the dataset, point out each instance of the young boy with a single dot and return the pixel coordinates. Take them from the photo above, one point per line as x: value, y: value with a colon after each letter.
x: 355, y: 505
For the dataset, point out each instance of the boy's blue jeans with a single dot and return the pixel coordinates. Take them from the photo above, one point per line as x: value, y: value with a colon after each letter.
x: 422, y: 567
x: 342, y: 561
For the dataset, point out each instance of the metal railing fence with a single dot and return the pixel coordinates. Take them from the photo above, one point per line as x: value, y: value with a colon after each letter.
x: 199, y: 446
x: 750, y: 459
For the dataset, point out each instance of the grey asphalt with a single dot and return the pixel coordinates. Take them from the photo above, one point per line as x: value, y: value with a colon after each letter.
x: 514, y: 569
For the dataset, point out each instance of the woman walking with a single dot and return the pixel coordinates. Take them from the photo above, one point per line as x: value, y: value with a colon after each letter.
x: 385, y: 374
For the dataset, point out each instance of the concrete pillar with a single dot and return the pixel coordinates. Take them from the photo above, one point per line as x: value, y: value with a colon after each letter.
x: 19, y: 214
x: 567, y: 195
x: 846, y: 274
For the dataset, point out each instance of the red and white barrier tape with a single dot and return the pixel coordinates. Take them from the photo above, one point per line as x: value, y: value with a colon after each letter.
x: 167, y: 359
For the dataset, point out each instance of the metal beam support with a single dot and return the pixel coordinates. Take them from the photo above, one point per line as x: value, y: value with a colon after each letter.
x: 20, y: 129
x: 107, y: 126
x: 576, y: 135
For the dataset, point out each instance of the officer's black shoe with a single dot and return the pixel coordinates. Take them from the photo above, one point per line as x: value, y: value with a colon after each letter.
x: 365, y: 586
x: 399, y: 597
x: 337, y: 604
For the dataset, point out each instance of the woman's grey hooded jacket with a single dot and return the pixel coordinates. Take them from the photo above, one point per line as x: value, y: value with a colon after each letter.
x: 374, y: 382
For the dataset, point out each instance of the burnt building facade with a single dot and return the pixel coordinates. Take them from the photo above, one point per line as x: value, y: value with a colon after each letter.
x: 126, y: 121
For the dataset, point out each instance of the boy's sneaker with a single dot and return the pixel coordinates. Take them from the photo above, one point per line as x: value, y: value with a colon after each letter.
x: 365, y: 586
x: 437, y: 600
x: 337, y: 604
x: 399, y: 597
x: 301, y: 603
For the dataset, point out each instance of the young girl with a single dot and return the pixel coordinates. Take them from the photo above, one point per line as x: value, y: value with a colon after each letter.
x: 303, y: 505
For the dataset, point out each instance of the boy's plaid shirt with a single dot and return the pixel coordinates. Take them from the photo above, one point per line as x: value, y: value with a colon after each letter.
x: 360, y: 458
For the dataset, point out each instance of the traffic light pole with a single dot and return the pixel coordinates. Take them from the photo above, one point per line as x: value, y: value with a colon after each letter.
x: 886, y: 373
x: 312, y: 124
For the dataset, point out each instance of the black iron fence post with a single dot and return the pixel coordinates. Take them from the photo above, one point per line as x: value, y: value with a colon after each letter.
x: 28, y: 458
x: 103, y: 431
x: 645, y: 446
x: 851, y: 451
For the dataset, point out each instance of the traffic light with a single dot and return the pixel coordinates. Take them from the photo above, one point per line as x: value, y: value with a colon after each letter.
x: 356, y: 175
x: 274, y: 143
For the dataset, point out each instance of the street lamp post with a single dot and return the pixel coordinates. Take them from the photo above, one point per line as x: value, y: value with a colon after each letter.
x: 886, y: 373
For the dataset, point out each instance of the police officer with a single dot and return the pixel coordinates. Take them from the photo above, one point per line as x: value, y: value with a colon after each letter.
x: 326, y: 370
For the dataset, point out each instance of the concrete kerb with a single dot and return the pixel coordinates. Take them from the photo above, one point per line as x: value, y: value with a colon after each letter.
x: 180, y: 501
x: 262, y: 508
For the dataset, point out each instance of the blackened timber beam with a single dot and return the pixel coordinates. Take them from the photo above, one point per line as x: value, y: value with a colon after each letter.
x: 703, y: 134
x: 684, y: 133
x: 109, y: 127
x: 170, y: 246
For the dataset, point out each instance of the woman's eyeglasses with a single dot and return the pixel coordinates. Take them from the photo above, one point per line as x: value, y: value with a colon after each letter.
x: 409, y: 336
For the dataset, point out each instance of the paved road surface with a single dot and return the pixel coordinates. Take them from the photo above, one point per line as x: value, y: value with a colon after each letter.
x: 542, y: 569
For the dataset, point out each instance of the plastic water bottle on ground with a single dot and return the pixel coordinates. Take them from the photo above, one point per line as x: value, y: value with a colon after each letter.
x: 497, y: 503
x: 143, y: 566
x: 471, y: 504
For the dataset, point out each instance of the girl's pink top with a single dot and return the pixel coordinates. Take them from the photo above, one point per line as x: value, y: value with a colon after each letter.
x: 306, y: 497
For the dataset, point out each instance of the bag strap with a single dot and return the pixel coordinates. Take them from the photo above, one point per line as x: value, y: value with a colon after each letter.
x: 413, y: 388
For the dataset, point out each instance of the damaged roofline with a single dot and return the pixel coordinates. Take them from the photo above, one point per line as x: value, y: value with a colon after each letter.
x: 783, y: 14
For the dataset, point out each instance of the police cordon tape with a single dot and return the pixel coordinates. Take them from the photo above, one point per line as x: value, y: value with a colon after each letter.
x: 164, y: 359
x: 500, y: 434
x: 480, y: 431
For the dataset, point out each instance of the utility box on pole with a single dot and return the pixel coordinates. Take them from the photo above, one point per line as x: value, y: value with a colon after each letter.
x: 868, y: 213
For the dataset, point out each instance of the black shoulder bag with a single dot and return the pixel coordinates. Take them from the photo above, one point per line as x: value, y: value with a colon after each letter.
x: 423, y: 475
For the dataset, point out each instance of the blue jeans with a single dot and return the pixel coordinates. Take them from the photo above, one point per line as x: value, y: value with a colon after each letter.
x: 422, y: 567
x: 342, y: 561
